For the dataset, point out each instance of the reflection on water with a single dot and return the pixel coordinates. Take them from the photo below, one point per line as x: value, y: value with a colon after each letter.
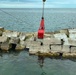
x: 41, y: 64
x: 41, y: 61
x: 21, y: 63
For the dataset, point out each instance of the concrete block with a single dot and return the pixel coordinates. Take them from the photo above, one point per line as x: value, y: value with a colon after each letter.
x: 32, y: 44
x: 65, y: 31
x: 33, y: 51
x: 56, y: 48
x: 10, y: 34
x: 5, y: 46
x: 22, y: 36
x: 22, y: 43
x: 66, y: 48
x: 60, y: 36
x: 72, y: 41
x: 1, y: 33
x: 66, y: 41
x: 72, y: 31
x: 72, y: 35
x: 73, y: 49
x: 19, y: 47
x: 52, y: 41
x: 7, y: 34
x: 34, y: 48
x: 49, y: 35
x: 44, y: 49
x: 3, y: 39
x: 14, y: 40
x: 41, y: 49
x: 2, y: 29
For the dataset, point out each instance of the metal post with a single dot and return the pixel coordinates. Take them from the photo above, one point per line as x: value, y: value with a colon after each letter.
x: 43, y: 9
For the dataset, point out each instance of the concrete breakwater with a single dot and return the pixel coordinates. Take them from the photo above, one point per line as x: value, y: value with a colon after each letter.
x: 55, y: 44
x: 60, y: 43
x: 12, y: 40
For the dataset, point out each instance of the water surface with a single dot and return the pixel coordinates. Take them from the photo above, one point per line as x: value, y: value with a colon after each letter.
x: 28, y: 20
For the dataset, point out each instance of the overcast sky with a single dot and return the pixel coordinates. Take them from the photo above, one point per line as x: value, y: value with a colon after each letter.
x: 37, y: 4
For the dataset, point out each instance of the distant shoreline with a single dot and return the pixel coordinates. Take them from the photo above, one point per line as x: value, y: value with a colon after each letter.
x: 37, y: 8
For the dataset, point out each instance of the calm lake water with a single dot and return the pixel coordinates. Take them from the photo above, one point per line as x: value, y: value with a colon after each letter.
x: 28, y: 20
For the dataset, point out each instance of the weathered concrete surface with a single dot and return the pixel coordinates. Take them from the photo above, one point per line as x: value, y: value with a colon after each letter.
x: 14, y: 40
x: 2, y: 29
x: 69, y: 55
x: 3, y: 39
x: 52, y: 45
x: 10, y: 34
x: 32, y: 44
x: 41, y: 49
x: 72, y: 35
x: 60, y: 36
x: 48, y: 35
x: 35, y: 47
x: 22, y: 36
x: 19, y: 47
x: 51, y: 41
x: 73, y: 31
x: 56, y: 48
x: 73, y: 49
x: 5, y: 46
x: 1, y: 33
x: 72, y: 42
x: 66, y: 31
x: 65, y: 49
x: 23, y: 43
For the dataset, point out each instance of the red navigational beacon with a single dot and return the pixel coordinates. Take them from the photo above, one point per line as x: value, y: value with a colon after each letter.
x: 41, y: 29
